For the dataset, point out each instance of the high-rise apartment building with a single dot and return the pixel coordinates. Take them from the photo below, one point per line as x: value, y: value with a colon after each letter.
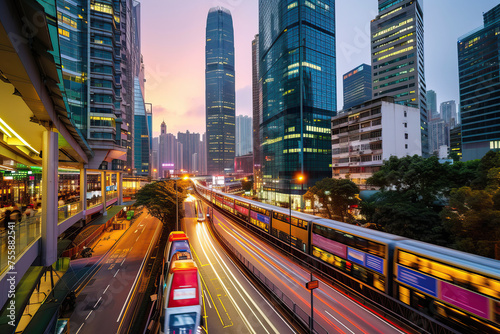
x: 366, y: 135
x: 432, y: 103
x: 357, y: 86
x: 456, y: 143
x: 478, y: 68
x: 243, y: 135
x: 448, y: 112
x: 298, y: 74
x: 190, y: 145
x: 167, y: 153
x: 220, y: 91
x: 398, y: 57
x: 257, y: 115
x: 439, y: 134
x: 96, y: 53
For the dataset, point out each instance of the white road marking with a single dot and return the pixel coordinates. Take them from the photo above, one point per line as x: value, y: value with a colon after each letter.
x: 106, y: 289
x: 121, y: 264
x: 97, y: 301
x: 207, y: 299
x: 79, y: 328
x: 339, y: 322
x: 88, y: 315
x: 116, y: 273
x: 136, y: 231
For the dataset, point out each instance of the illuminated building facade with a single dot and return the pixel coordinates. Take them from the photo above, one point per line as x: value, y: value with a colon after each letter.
x: 220, y: 91
x: 357, y: 86
x: 298, y: 73
x: 397, y: 35
x: 478, y: 68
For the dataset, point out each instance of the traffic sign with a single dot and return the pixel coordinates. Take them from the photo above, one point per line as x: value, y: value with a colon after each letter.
x: 312, y: 285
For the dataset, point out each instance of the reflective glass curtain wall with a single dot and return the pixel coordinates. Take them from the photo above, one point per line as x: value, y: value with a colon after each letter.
x: 141, y: 133
x: 298, y: 74
x: 220, y: 91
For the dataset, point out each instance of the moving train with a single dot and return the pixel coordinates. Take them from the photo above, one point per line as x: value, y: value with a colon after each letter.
x: 459, y: 289
x: 181, y: 300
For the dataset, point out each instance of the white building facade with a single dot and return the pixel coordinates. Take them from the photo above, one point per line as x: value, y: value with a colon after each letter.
x: 368, y: 134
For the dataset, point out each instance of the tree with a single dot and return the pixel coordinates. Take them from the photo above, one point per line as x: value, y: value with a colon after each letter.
x: 159, y: 199
x: 247, y: 185
x: 336, y: 195
x: 473, y: 219
x: 419, y: 179
x: 489, y: 161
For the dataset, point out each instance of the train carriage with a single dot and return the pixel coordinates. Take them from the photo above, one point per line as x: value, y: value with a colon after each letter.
x: 365, y: 255
x: 458, y: 287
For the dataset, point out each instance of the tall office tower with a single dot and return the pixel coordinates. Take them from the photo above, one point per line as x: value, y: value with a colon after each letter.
x: 190, y: 145
x: 141, y: 133
x: 439, y: 134
x: 432, y: 103
x: 398, y: 57
x: 257, y: 115
x: 155, y: 158
x: 478, y: 69
x: 357, y: 86
x: 298, y: 73
x: 449, y: 112
x: 203, y: 155
x: 167, y: 153
x: 99, y: 91
x: 220, y: 91
x: 243, y: 135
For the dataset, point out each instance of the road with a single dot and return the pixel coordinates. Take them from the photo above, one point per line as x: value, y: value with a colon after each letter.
x: 104, y: 300
x: 232, y: 303
x: 333, y: 310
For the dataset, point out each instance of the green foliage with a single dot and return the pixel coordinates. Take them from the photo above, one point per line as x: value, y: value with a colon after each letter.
x: 159, y: 198
x: 247, y: 185
x: 336, y: 195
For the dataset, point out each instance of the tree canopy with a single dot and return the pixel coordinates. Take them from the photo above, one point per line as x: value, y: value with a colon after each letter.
x: 336, y: 195
x: 159, y: 199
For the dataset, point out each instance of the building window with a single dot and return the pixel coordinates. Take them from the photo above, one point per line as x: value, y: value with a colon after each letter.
x: 406, y: 125
x: 406, y: 146
x: 406, y: 136
x: 406, y: 114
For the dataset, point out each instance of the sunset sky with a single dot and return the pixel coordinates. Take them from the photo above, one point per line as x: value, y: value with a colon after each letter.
x: 173, y: 45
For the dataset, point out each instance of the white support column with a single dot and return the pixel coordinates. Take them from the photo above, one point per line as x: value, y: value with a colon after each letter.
x: 83, y: 188
x: 119, y: 184
x: 103, y: 192
x: 50, y: 152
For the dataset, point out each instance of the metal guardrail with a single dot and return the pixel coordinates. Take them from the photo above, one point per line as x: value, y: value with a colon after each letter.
x: 294, y: 309
x: 25, y: 232
x: 68, y: 210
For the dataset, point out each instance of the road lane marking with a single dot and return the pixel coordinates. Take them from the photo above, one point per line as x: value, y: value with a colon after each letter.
x: 97, y: 302
x: 245, y: 320
x: 217, y: 257
x: 205, y: 296
x: 339, y: 322
x: 116, y: 272
x: 136, y: 231
x: 79, y: 328
x: 88, y: 315
x: 121, y: 264
x: 106, y: 289
x: 137, y: 239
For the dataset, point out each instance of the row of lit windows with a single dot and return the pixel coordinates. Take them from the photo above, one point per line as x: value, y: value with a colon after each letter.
x: 307, y: 149
x: 395, y: 53
x: 317, y: 129
x: 101, y: 7
x: 394, y: 46
x: 63, y: 32
x: 393, y: 34
x: 393, y: 27
x: 393, y: 40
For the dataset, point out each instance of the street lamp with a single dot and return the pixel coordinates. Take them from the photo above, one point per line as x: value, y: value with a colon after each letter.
x: 177, y: 202
x: 300, y: 178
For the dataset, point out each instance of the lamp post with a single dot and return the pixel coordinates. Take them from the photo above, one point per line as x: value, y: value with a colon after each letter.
x: 299, y: 178
x: 177, y: 202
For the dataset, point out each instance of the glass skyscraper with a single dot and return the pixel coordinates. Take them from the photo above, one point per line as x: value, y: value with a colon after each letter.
x: 478, y: 72
x: 357, y: 86
x: 398, y: 57
x: 298, y: 72
x: 141, y: 133
x: 220, y: 91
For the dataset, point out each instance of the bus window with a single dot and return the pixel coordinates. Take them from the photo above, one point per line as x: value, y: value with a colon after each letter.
x: 184, y: 323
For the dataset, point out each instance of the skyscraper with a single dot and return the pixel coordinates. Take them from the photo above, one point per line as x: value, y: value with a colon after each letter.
x: 357, y: 86
x: 432, y: 103
x: 298, y: 74
x: 449, y: 112
x: 243, y: 135
x: 190, y: 145
x: 167, y: 153
x: 220, y: 91
x: 478, y: 68
x: 141, y: 133
x: 257, y: 115
x: 398, y: 57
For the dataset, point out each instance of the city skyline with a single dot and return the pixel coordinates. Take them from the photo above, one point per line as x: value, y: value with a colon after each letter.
x: 167, y: 79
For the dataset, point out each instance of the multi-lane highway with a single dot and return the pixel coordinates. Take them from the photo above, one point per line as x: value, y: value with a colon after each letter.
x: 105, y: 299
x: 333, y: 310
x: 232, y: 304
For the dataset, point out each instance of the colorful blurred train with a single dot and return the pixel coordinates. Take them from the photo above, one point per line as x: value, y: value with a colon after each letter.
x: 461, y: 290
